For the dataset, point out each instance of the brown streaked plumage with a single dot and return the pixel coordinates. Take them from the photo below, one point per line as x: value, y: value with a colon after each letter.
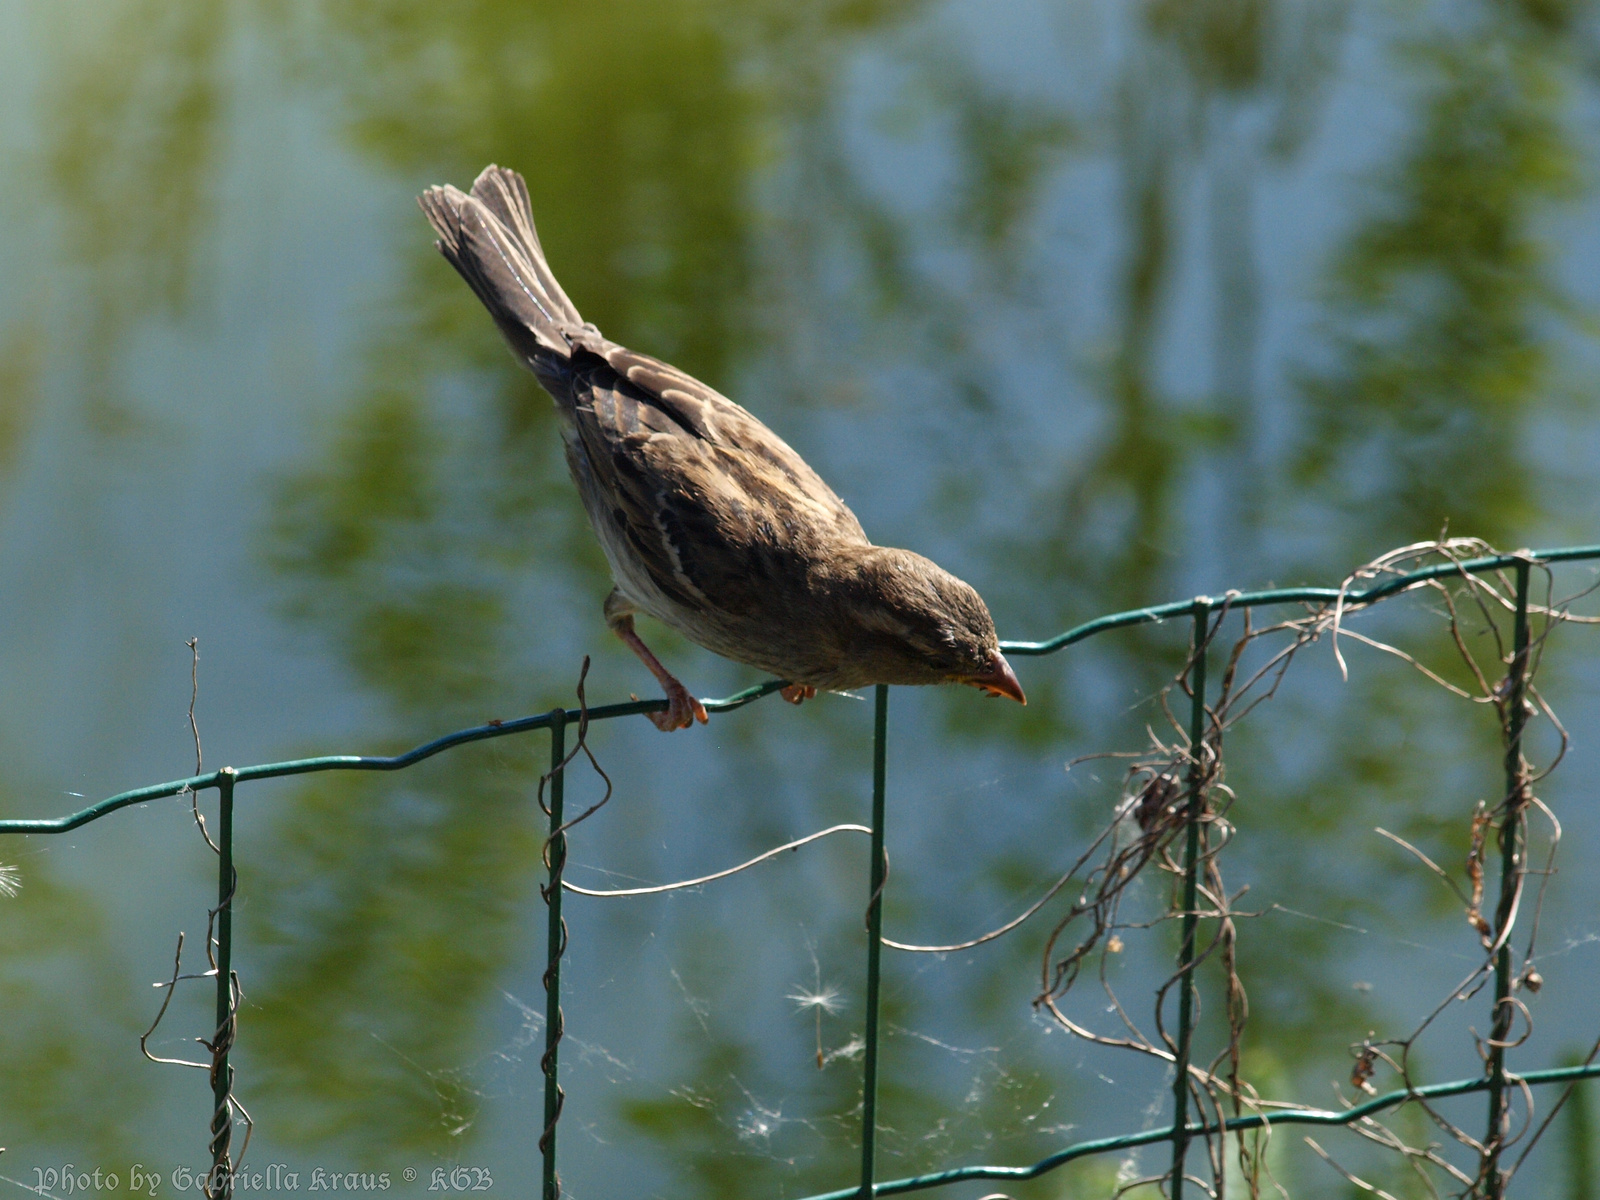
x: 711, y: 524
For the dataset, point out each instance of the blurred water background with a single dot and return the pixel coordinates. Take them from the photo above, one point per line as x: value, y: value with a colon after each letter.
x: 1099, y: 304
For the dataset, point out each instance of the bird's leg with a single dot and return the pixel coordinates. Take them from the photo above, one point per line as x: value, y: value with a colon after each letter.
x: 797, y: 693
x: 683, y: 710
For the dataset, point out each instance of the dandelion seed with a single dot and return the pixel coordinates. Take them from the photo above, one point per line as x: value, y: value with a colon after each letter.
x: 825, y: 999
x: 10, y: 880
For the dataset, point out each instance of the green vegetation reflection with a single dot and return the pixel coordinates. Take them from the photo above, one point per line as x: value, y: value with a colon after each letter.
x: 702, y: 181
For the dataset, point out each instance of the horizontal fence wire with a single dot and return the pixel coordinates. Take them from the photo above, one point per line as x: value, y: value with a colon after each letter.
x: 369, y: 762
x: 1199, y: 609
x: 1147, y: 1137
x: 606, y: 712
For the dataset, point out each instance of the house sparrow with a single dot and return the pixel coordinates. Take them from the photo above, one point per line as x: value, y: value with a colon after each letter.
x: 711, y: 524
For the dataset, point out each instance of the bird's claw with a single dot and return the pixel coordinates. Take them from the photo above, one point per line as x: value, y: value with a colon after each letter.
x: 797, y: 693
x: 683, y: 710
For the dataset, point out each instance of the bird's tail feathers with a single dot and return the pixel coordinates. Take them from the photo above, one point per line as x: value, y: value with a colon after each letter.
x: 489, y: 237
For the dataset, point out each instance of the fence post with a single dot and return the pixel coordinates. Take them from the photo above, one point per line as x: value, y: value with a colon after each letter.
x: 1511, y: 838
x: 1191, y: 886
x: 555, y: 854
x: 878, y: 870
x: 219, y: 1186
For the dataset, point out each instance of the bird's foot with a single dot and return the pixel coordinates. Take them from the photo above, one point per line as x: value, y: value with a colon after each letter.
x: 683, y: 710
x: 797, y: 693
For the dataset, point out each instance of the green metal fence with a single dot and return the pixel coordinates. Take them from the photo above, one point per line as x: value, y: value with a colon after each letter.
x: 1200, y: 612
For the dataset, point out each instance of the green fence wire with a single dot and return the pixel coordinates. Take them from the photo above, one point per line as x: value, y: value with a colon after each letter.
x: 1180, y: 1133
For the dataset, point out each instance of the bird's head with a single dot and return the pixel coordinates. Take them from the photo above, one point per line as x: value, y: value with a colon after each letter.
x: 919, y: 624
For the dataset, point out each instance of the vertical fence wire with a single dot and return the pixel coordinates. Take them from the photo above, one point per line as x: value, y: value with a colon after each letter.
x: 1191, y: 884
x: 220, y: 1184
x: 1512, y: 833
x: 555, y: 855
x: 879, y: 872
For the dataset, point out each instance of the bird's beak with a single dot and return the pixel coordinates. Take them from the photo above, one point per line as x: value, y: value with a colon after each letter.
x: 999, y: 679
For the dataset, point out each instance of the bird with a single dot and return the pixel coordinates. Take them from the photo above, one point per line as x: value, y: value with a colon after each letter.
x: 710, y: 523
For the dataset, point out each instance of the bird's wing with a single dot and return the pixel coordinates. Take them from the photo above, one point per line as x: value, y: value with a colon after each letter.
x: 715, y: 505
